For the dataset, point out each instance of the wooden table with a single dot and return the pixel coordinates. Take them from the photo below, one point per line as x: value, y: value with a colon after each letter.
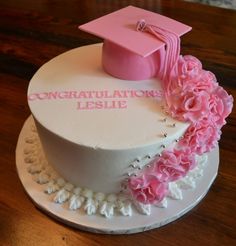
x: 32, y: 32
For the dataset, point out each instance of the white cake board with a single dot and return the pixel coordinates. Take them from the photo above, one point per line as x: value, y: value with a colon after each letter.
x: 117, y: 224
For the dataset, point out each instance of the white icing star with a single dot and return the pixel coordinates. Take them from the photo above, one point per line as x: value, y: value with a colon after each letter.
x: 61, y: 196
x: 75, y: 202
x: 90, y: 206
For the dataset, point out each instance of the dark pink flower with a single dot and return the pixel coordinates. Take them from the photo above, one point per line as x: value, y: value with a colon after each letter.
x: 147, y: 189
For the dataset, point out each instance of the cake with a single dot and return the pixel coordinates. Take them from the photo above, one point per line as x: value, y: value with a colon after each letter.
x: 127, y: 123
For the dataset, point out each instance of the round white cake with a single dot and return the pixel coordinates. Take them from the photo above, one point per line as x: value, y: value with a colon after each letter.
x: 97, y: 130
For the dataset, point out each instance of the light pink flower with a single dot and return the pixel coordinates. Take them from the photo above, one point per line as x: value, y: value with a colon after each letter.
x: 174, y: 164
x: 188, y: 67
x: 201, y: 137
x: 188, y: 94
x: 221, y: 105
x: 188, y: 105
x: 190, y: 77
x: 193, y: 95
x: 147, y: 189
x: 188, y: 159
x: 204, y: 81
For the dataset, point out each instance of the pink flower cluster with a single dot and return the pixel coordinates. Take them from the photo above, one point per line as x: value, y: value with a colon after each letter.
x: 148, y: 188
x: 201, y: 137
x: 152, y: 185
x: 194, y: 96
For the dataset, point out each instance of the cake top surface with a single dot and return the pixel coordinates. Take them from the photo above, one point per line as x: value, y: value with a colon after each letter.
x: 74, y: 98
x: 119, y: 27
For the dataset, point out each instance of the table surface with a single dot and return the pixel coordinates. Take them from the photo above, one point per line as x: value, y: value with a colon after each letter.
x: 31, y: 33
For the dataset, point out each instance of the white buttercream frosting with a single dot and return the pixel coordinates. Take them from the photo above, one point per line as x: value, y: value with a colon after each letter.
x: 111, y: 198
x: 61, y: 196
x: 143, y: 208
x: 51, y: 187
x: 97, y: 202
x: 87, y: 193
x: 35, y: 168
x: 77, y: 190
x: 106, y: 127
x: 91, y: 206
x: 174, y: 191
x: 42, y: 178
x: 162, y: 204
x: 99, y: 196
x: 61, y: 182
x: 124, y: 207
x: 76, y: 202
x: 30, y: 159
x: 68, y: 186
x: 107, y: 209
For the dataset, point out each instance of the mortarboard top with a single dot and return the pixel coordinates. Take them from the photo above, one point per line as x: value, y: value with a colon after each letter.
x: 119, y: 29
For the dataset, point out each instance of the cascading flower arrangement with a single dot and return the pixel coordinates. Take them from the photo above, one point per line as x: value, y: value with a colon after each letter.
x: 192, y: 95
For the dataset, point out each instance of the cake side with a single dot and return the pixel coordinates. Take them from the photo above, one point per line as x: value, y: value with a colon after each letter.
x: 90, y: 202
x: 85, y: 145
x: 101, y: 111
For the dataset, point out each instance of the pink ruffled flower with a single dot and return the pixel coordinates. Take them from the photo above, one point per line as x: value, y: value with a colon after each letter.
x: 188, y: 67
x: 221, y: 105
x: 188, y: 159
x: 204, y: 81
x: 147, y: 189
x: 188, y: 105
x: 174, y: 164
x: 201, y: 137
x: 194, y: 96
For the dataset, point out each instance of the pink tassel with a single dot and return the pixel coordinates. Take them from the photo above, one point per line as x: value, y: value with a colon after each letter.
x: 172, y: 42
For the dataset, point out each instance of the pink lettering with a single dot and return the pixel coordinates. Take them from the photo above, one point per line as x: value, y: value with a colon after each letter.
x: 42, y: 96
x: 32, y: 97
x: 108, y: 95
x: 117, y: 93
x: 93, y: 105
x: 63, y: 94
x: 82, y: 94
x: 153, y: 93
x: 122, y: 104
x: 80, y: 105
x: 99, y: 105
x: 137, y: 93
x: 89, y: 94
x: 72, y: 94
x: 52, y: 95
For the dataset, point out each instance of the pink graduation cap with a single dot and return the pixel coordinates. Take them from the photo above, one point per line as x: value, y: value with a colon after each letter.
x: 135, y: 42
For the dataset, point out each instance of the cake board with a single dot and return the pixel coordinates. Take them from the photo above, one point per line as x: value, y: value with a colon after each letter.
x: 117, y: 224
